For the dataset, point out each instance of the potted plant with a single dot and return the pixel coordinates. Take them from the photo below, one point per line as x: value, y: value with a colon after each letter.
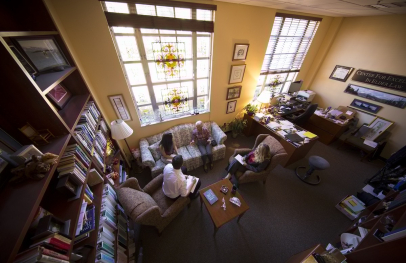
x: 237, y: 125
x: 251, y: 109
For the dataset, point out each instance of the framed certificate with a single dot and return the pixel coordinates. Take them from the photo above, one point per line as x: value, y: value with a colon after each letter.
x: 236, y: 74
x: 341, y: 73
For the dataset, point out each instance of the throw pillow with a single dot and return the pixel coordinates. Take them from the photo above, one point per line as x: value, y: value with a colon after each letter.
x: 154, y: 149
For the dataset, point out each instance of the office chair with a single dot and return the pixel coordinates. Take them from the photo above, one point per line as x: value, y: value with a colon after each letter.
x: 302, y: 118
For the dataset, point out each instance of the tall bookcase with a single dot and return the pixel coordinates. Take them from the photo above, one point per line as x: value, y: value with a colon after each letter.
x: 23, y: 100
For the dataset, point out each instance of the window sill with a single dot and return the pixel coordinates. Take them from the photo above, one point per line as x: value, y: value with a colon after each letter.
x: 168, y: 120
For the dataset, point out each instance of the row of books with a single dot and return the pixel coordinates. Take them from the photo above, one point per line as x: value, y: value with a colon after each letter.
x: 122, y: 172
x: 106, y: 238
x: 51, y: 248
x: 122, y: 235
x: 86, y: 222
x: 86, y: 129
x: 75, y: 162
x: 88, y: 195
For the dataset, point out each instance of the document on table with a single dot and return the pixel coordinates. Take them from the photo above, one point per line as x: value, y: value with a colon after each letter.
x: 371, y: 143
x: 335, y: 112
x: 273, y: 125
x: 282, y: 133
x: 286, y: 123
x: 240, y: 159
x: 349, y: 112
x: 190, y: 184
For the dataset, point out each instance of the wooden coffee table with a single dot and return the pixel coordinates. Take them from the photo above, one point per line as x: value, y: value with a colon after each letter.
x: 218, y: 215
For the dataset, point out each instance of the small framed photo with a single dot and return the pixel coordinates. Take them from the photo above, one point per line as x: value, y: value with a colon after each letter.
x: 59, y: 96
x: 234, y: 92
x: 236, y: 74
x: 377, y: 127
x: 240, y: 51
x: 366, y: 106
x: 231, y: 106
x: 341, y: 73
x: 120, y: 107
x: 42, y: 52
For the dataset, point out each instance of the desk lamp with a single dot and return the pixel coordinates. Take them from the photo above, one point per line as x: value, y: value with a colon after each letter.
x: 264, y: 97
x: 120, y: 130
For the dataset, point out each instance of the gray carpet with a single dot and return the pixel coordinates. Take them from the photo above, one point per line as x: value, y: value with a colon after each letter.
x: 286, y: 216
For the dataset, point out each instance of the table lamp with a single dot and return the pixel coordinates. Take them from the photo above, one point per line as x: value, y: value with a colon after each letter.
x: 264, y: 97
x: 120, y: 130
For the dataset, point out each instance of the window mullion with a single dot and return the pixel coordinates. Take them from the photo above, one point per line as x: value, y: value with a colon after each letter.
x: 194, y: 46
x: 144, y: 64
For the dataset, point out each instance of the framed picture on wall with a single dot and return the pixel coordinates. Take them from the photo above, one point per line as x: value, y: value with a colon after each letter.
x: 236, y: 74
x: 120, y: 107
x: 240, y: 51
x: 377, y: 127
x: 366, y: 106
x: 234, y: 92
x: 231, y: 105
x: 341, y: 73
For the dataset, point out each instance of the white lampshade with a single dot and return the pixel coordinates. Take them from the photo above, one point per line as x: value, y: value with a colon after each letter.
x: 264, y: 97
x: 120, y: 130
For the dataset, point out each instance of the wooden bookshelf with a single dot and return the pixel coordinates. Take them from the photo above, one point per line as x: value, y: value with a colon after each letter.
x: 25, y: 100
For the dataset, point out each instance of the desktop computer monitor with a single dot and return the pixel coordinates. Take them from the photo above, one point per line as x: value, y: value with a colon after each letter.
x: 295, y: 86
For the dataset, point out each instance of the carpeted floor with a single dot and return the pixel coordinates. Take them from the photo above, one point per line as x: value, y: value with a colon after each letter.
x: 286, y: 216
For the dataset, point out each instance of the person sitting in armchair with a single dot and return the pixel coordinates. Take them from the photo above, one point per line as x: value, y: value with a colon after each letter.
x: 255, y: 161
x: 176, y: 183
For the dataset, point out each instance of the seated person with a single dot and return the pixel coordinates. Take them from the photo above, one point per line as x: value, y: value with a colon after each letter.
x: 167, y: 148
x: 175, y: 182
x: 201, y: 137
x: 256, y: 161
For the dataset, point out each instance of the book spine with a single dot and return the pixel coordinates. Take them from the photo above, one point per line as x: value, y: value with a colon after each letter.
x: 44, y: 258
x: 59, y: 243
x: 54, y: 254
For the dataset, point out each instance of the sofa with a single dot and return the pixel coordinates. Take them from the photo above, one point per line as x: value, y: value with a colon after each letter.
x: 182, y: 135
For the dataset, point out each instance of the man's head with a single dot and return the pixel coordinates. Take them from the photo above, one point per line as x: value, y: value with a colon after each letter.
x: 177, y: 162
x: 199, y: 125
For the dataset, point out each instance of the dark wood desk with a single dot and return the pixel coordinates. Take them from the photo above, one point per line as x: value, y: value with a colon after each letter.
x: 327, y: 130
x: 255, y: 128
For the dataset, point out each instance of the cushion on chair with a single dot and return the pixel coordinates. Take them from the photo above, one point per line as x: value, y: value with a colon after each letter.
x: 274, y: 145
x: 318, y: 163
x: 135, y: 202
x: 158, y: 168
x: 162, y: 200
x: 155, y: 151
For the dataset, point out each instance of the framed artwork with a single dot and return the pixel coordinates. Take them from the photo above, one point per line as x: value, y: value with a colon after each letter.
x: 231, y: 106
x: 234, y: 92
x: 341, y: 73
x: 240, y: 51
x: 59, y: 96
x: 377, y: 127
x: 236, y: 74
x: 120, y: 107
x: 28, y: 67
x: 366, y: 106
x: 42, y: 52
x: 376, y: 95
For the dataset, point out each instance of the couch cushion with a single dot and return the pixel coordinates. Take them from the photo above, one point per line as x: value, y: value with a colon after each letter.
x: 154, y: 138
x: 183, y: 134
x: 154, y: 149
x: 274, y: 145
x: 135, y: 202
x: 159, y: 167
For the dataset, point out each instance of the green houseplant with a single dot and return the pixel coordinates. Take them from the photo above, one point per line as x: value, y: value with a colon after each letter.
x: 237, y: 125
x: 251, y: 109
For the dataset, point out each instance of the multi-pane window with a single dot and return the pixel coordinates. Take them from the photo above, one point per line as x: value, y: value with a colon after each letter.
x: 168, y: 71
x: 290, y: 40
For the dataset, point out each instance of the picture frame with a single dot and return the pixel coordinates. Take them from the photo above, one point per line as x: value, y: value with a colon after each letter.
x: 28, y: 67
x: 377, y: 95
x: 50, y: 224
x: 240, y: 51
x: 70, y: 187
x: 42, y: 52
x: 365, y: 106
x: 377, y: 127
x: 234, y: 92
x: 120, y: 107
x: 236, y: 74
x: 59, y: 96
x: 341, y: 73
x: 231, y: 105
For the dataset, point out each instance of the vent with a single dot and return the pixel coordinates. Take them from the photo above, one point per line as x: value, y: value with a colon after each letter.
x: 387, y: 5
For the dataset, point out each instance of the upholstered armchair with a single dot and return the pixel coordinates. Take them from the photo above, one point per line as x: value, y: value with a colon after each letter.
x: 149, y: 206
x: 278, y: 156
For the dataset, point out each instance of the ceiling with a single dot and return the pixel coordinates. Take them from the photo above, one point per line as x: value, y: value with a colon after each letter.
x: 335, y: 8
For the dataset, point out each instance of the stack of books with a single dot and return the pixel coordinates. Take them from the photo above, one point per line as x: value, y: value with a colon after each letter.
x: 131, y: 250
x: 52, y: 248
x: 100, y: 143
x: 352, y: 206
x: 122, y: 173
x: 88, y: 195
x: 399, y: 200
x: 87, y: 222
x: 122, y: 235
x: 85, y: 131
x: 106, y: 237
x: 75, y: 162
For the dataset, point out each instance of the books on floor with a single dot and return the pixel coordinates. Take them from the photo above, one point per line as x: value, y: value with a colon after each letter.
x: 351, y: 206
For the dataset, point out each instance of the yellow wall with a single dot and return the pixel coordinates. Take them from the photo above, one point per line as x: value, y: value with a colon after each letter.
x: 84, y: 28
x: 372, y: 43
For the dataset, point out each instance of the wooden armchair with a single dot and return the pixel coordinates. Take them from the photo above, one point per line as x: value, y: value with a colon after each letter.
x: 38, y: 137
x: 149, y: 206
x: 278, y: 156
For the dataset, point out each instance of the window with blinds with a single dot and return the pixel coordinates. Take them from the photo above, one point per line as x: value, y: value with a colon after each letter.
x: 290, y: 40
x: 167, y: 67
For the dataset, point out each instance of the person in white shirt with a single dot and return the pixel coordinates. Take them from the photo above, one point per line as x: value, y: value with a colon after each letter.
x: 175, y: 182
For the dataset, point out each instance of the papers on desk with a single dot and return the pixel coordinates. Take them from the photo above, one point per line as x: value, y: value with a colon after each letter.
x: 309, y: 135
x: 240, y: 159
x: 258, y: 116
x: 286, y: 123
x: 371, y: 143
x: 349, y: 112
x: 273, y: 125
x: 335, y: 113
x: 282, y: 133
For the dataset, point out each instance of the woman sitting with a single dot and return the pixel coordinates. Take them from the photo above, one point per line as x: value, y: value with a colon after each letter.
x: 255, y: 161
x: 201, y: 137
x: 167, y: 148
